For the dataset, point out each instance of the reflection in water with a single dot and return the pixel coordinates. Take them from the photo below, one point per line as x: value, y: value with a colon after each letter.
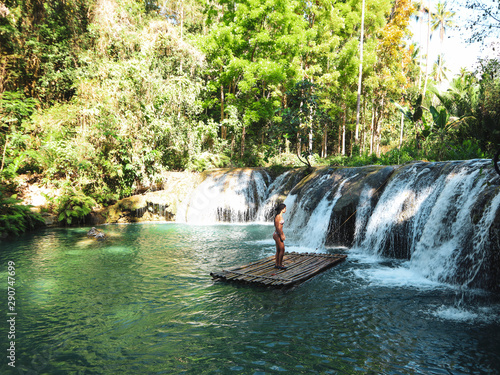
x: 143, y: 303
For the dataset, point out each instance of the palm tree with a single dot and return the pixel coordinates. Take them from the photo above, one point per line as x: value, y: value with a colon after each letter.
x: 442, y: 20
x: 427, y: 10
x: 439, y: 70
x: 420, y: 11
x: 462, y: 96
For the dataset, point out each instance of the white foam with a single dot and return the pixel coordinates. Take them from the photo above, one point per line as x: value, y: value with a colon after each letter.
x: 466, y: 315
x: 454, y: 313
x: 396, y: 277
x: 266, y: 242
x: 303, y: 249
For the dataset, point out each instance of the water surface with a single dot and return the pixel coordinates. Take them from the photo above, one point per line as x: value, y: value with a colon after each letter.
x: 143, y: 302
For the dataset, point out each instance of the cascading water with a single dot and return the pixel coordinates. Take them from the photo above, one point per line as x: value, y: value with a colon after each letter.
x: 424, y: 215
x: 309, y: 218
x: 223, y: 196
x: 447, y: 226
x: 441, y: 217
x: 277, y: 192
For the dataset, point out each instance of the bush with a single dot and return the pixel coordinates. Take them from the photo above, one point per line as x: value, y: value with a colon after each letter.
x: 469, y: 149
x: 207, y: 160
x: 73, y: 206
x: 396, y: 156
x: 16, y: 218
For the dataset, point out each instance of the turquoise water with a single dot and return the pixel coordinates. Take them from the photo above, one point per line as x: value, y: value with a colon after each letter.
x: 143, y: 302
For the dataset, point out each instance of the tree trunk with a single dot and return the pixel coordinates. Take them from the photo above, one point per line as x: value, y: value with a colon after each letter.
x: 401, y: 132
x: 351, y: 143
x: 363, y: 130
x: 378, y: 126
x: 343, y: 131
x: 428, y: 43
x: 339, y: 147
x: 372, y: 128
x: 299, y: 145
x: 223, y: 129
x: 310, y: 131
x: 243, y: 141
x: 324, y: 142
x: 233, y: 143
x: 3, y: 155
x: 360, y: 71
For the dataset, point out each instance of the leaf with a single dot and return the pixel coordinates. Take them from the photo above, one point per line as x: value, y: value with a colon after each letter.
x: 434, y: 113
x: 418, y: 114
x: 442, y: 119
x: 418, y: 103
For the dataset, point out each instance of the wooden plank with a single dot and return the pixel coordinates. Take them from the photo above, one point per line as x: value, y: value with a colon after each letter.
x: 300, y: 267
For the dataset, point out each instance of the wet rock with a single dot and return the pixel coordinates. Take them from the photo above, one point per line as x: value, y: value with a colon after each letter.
x: 342, y: 225
x: 159, y: 205
x: 97, y: 234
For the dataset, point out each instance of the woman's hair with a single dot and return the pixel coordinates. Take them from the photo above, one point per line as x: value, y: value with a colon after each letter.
x: 279, y: 207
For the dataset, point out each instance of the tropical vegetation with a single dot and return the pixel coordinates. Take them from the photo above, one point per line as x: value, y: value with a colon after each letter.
x: 100, y: 97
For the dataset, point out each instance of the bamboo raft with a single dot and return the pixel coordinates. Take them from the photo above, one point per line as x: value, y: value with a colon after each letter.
x: 300, y: 267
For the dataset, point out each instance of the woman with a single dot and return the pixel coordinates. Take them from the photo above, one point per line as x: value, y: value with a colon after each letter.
x: 279, y: 236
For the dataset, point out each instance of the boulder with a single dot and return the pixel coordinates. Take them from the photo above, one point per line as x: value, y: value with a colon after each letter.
x: 97, y: 234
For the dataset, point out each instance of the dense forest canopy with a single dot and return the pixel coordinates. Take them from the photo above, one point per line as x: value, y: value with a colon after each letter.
x: 102, y: 96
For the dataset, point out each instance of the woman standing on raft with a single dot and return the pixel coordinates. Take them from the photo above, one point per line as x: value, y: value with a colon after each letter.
x: 279, y: 236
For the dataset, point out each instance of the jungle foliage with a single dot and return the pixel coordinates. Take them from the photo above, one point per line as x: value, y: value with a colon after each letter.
x: 15, y: 217
x: 101, y: 97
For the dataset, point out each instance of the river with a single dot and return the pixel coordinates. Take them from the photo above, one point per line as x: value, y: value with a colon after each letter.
x: 143, y: 302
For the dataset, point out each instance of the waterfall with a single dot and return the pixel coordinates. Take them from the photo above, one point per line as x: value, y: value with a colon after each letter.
x: 277, y: 192
x: 443, y: 218
x: 226, y: 196
x: 425, y: 215
x: 309, y: 217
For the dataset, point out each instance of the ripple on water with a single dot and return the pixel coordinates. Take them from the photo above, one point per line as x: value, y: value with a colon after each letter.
x: 123, y: 250
x: 145, y: 303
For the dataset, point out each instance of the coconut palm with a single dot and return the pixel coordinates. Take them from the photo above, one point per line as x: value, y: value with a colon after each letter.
x: 421, y: 10
x: 439, y: 70
x: 425, y: 9
x: 442, y: 20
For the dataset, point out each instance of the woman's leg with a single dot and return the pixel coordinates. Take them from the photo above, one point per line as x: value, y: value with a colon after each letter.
x: 278, y: 241
x: 281, y: 254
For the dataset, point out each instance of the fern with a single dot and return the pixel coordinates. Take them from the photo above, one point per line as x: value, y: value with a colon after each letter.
x: 16, y: 218
x: 73, y: 206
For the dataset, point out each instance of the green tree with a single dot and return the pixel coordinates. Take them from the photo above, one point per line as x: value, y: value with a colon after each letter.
x: 252, y: 56
x: 301, y: 118
x: 39, y: 45
x: 487, y: 129
x: 389, y: 80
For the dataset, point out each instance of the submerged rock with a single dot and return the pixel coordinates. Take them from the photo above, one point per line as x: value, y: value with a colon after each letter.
x: 97, y: 234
